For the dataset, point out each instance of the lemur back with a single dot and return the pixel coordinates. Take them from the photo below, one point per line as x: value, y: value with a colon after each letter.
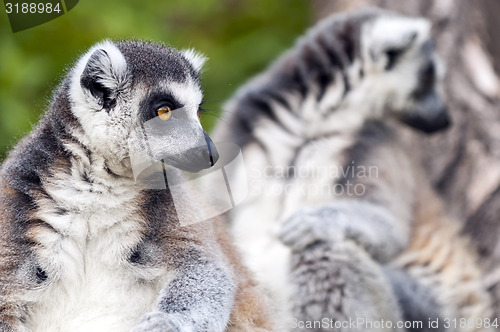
x: 335, y: 198
x: 83, y: 247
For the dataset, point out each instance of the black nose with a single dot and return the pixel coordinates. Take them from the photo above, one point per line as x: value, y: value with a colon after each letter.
x: 427, y: 124
x: 443, y: 121
x: 211, y: 152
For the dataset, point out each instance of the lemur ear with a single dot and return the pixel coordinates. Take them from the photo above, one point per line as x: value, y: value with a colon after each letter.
x: 196, y: 59
x: 390, y: 37
x: 104, y: 74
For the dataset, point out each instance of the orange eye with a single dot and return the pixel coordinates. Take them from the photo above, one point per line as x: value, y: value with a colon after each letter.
x: 199, y: 115
x: 164, y: 113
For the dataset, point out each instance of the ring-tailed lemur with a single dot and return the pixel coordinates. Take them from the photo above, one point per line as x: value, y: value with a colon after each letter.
x: 308, y: 126
x: 85, y: 248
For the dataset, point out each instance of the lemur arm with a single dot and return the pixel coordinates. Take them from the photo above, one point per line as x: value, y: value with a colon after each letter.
x: 339, y: 248
x: 369, y: 225
x: 10, y: 318
x: 198, y: 298
x: 20, y: 275
x: 17, y: 284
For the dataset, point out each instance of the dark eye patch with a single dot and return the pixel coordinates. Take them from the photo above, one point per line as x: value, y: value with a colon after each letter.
x: 41, y: 275
x: 392, y: 56
x: 154, y: 101
x: 394, y: 53
x: 162, y: 102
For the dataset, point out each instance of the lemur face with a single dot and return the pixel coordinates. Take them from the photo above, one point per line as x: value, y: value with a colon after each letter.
x: 118, y: 89
x: 400, y: 64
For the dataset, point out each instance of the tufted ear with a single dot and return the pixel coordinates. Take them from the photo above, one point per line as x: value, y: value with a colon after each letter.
x: 196, y: 59
x: 389, y: 37
x: 104, y: 74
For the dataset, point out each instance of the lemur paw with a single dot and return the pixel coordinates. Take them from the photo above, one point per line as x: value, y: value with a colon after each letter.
x: 156, y: 322
x: 308, y: 226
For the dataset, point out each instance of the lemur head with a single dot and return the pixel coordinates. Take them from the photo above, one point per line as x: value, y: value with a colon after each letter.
x: 399, y: 63
x: 118, y: 88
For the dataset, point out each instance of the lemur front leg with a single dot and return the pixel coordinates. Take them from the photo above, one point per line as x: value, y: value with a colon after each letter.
x: 339, y: 285
x: 199, y: 298
x: 335, y: 264
x: 21, y: 279
x: 370, y: 226
x: 11, y: 320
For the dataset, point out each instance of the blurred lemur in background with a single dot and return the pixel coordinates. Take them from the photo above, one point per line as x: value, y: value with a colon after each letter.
x: 85, y: 248
x: 310, y: 127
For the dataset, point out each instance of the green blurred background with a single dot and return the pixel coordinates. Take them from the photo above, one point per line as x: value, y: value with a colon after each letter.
x: 240, y: 37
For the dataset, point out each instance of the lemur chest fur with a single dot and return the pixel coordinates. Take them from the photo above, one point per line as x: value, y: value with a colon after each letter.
x: 280, y: 182
x: 93, y: 281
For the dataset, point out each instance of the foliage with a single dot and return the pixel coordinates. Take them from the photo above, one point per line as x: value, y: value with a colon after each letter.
x: 240, y: 37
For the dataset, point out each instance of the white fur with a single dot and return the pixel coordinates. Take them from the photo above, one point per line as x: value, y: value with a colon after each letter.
x: 116, y: 127
x: 92, y: 285
x: 392, y: 32
x: 480, y: 68
x: 115, y: 70
x: 195, y: 58
x: 255, y: 235
x: 188, y: 94
x: 382, y: 90
x: 99, y: 126
x: 272, y: 200
x: 260, y: 217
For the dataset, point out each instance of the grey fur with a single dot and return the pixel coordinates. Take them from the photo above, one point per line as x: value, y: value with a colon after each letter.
x: 371, y: 226
x: 203, y: 308
x: 417, y: 300
x: 337, y: 99
x: 339, y: 281
x: 352, y: 241
x: 82, y: 246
